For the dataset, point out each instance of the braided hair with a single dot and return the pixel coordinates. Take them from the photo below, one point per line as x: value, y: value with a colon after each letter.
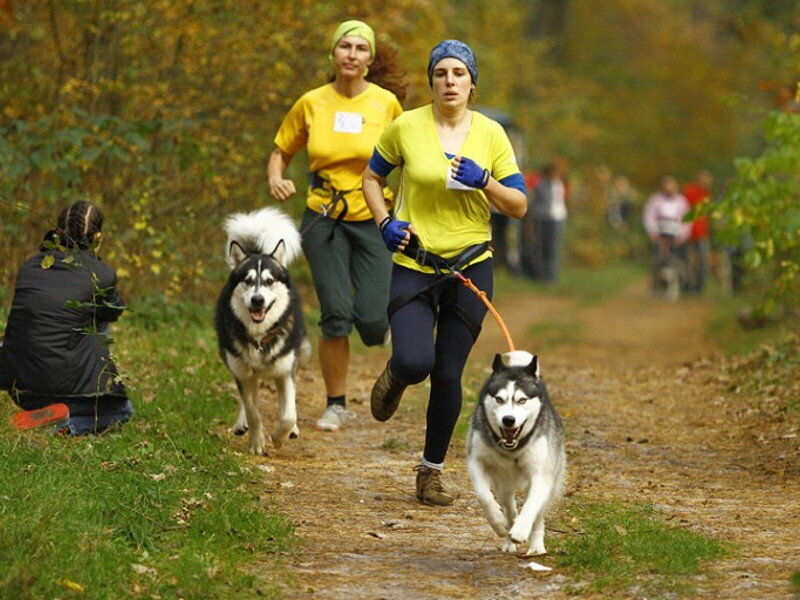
x: 79, y: 223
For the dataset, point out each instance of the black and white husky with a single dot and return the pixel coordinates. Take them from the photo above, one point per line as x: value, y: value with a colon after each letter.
x: 516, y: 444
x: 259, y: 320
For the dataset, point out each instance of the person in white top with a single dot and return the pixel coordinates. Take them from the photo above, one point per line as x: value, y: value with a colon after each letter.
x: 663, y: 221
x: 664, y: 212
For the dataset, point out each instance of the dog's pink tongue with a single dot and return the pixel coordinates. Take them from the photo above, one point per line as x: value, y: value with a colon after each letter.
x: 258, y: 314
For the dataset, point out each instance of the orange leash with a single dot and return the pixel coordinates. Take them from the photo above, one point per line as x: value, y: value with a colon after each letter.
x: 482, y: 295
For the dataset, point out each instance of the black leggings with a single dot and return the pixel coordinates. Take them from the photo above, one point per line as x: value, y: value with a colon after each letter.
x: 429, y: 337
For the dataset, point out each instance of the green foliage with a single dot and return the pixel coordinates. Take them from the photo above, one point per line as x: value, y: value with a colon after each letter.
x: 164, y: 112
x: 161, y: 507
x: 163, y: 116
x: 622, y: 546
x: 761, y: 212
x: 158, y: 311
x: 137, y: 172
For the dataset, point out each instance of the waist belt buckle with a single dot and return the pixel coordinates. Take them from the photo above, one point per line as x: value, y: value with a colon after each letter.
x: 421, y: 256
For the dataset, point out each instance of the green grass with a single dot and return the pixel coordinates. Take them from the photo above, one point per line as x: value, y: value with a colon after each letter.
x: 565, y: 329
x: 394, y: 443
x: 163, y: 506
x: 729, y: 325
x: 618, y: 548
x: 589, y: 285
x: 594, y: 285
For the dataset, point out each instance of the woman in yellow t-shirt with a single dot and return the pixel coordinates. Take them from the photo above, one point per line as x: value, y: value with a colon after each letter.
x: 456, y: 163
x: 339, y: 124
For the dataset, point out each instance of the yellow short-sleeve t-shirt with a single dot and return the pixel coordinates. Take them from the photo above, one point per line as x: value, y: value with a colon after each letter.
x: 448, y: 221
x: 339, y: 134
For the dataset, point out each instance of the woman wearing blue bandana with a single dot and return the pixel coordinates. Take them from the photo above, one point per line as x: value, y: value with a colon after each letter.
x: 456, y: 164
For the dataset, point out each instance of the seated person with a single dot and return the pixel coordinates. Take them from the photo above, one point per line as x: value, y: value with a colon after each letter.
x: 56, y: 348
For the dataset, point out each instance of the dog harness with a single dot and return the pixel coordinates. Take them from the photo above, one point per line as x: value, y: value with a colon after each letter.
x: 261, y: 345
x: 319, y: 183
x: 446, y: 269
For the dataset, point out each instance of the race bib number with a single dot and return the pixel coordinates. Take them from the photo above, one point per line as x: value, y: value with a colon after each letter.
x: 347, y: 122
x: 452, y: 184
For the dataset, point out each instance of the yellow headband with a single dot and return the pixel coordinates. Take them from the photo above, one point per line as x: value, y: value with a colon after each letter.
x: 358, y: 28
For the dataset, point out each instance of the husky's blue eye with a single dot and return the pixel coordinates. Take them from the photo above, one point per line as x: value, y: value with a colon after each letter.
x: 522, y: 400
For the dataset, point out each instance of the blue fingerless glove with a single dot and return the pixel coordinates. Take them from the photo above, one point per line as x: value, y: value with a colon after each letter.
x: 393, y: 232
x: 471, y: 173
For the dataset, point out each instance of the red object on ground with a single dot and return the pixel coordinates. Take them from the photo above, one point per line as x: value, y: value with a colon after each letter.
x: 55, y: 415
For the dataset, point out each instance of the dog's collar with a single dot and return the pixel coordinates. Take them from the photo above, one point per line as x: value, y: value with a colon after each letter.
x: 261, y: 345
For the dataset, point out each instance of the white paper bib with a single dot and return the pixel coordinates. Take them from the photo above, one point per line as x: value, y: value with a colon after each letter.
x: 347, y: 122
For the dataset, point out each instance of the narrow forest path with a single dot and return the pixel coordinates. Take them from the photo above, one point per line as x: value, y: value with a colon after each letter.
x: 649, y: 418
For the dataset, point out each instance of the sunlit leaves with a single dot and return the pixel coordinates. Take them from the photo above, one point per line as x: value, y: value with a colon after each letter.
x: 48, y: 261
x: 761, y: 211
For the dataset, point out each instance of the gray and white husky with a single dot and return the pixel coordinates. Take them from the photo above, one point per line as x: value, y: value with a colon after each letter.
x: 516, y: 444
x: 259, y: 320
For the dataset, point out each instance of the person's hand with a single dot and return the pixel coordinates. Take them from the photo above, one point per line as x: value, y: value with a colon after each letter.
x: 281, y: 189
x: 395, y: 234
x: 468, y: 172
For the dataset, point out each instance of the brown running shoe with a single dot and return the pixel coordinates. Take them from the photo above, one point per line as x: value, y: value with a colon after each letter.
x: 386, y: 394
x: 429, y: 487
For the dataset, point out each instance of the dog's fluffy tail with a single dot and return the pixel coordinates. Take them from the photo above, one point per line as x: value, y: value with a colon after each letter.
x: 261, y: 232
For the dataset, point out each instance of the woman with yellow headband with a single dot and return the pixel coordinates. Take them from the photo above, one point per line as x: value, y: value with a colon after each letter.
x: 339, y: 124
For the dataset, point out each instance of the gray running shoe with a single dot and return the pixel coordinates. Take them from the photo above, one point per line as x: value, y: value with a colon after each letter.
x: 334, y: 417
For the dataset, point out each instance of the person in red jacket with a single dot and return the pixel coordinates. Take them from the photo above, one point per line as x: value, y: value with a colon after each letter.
x: 699, y: 246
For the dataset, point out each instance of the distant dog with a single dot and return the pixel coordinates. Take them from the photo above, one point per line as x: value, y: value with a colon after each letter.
x: 259, y: 320
x: 516, y: 444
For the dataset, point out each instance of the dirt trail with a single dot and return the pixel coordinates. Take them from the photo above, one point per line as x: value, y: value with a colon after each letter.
x: 648, y: 418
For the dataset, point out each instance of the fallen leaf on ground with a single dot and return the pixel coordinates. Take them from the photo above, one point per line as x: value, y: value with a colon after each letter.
x: 71, y: 585
x: 144, y: 570
x: 534, y: 566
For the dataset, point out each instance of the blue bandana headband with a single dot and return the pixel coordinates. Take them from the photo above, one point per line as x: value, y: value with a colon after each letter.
x: 453, y: 49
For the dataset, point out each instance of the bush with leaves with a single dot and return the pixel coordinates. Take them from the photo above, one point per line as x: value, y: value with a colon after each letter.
x: 762, y: 210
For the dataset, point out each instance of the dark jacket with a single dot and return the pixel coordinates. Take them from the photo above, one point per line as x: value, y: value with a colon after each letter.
x: 54, y: 344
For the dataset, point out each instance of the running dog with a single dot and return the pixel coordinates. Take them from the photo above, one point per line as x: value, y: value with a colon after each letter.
x: 516, y: 444
x: 259, y: 320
